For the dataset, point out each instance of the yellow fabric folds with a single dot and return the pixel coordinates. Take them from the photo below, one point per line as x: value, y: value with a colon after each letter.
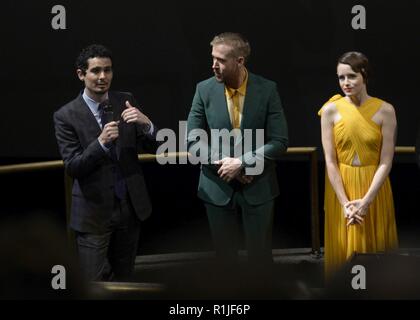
x: 356, y: 134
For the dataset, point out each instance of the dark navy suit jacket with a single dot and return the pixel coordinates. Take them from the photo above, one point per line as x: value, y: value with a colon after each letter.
x: 77, y: 133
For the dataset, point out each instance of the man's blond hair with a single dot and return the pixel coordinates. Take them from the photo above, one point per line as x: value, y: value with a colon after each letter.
x: 240, y: 46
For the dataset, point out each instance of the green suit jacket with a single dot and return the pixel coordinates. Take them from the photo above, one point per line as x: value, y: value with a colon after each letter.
x: 262, y: 110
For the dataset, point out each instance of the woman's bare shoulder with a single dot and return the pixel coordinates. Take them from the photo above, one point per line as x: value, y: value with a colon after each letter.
x: 386, y: 107
x: 329, y: 109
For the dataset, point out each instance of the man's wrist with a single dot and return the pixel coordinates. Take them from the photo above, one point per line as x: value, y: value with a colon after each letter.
x: 105, y: 146
x: 248, y: 164
x: 146, y: 127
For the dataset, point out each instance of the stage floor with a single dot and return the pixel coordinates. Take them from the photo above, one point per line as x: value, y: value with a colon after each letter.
x: 295, y: 274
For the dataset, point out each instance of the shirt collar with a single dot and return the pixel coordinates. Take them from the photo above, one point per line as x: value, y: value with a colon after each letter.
x: 92, y: 104
x: 242, y: 89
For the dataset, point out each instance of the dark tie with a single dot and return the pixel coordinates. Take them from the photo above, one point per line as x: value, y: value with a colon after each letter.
x: 106, y: 112
x: 107, y: 115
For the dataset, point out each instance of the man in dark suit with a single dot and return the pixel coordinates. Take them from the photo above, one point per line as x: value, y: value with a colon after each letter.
x: 98, y: 135
x: 237, y: 99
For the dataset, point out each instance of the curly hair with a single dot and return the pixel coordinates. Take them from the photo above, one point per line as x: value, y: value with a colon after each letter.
x: 92, y: 51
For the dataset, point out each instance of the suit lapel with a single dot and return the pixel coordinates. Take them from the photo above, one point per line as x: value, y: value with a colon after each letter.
x: 219, y: 106
x: 118, y: 109
x: 250, y: 109
x: 87, y: 118
x: 251, y: 104
x: 116, y: 105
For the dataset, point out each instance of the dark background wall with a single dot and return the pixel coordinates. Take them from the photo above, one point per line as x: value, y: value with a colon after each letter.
x: 161, y: 50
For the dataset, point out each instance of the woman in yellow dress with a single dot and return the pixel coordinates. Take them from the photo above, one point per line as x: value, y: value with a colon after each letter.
x: 358, y: 136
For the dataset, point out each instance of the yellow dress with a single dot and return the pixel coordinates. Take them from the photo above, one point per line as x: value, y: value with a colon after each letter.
x: 357, y: 134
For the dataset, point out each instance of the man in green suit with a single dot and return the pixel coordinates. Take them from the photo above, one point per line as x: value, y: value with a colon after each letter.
x: 241, y: 176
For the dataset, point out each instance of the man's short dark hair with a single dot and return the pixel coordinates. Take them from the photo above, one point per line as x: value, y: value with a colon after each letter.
x: 92, y: 51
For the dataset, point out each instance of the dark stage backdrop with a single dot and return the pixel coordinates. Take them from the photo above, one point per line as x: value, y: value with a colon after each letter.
x: 161, y: 50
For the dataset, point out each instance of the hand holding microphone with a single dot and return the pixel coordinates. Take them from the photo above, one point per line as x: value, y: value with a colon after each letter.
x: 109, y: 126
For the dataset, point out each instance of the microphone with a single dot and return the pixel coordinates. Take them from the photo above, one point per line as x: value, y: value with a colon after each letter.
x: 107, y: 116
x: 107, y: 112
